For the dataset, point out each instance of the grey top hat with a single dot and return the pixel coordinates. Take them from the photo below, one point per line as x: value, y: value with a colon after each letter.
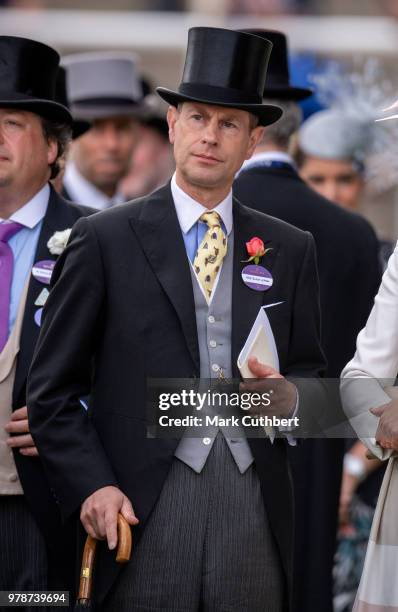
x: 335, y: 134
x: 104, y: 84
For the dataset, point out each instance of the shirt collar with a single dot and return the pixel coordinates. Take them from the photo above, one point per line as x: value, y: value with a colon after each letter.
x: 31, y: 213
x: 189, y: 210
x: 267, y: 156
x: 84, y: 192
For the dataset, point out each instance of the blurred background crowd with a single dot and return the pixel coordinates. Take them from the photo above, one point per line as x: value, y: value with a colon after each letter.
x: 344, y: 50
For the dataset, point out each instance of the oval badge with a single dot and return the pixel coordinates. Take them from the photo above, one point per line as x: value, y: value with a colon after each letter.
x: 42, y: 271
x: 257, y: 278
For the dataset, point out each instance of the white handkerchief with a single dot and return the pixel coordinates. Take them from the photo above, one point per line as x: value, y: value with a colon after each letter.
x: 260, y: 343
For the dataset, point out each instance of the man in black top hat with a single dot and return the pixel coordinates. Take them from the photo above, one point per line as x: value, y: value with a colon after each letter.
x: 161, y: 295
x: 349, y: 276
x: 34, y: 131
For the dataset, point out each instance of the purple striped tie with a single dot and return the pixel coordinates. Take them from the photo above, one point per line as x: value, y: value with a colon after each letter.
x: 7, y: 231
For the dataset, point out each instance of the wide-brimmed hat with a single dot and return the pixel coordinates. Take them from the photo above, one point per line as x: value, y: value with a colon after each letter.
x: 102, y: 84
x: 225, y: 68
x: 277, y: 83
x: 28, y: 72
x: 79, y: 126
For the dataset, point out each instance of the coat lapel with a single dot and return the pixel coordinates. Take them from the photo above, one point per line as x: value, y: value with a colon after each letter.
x: 246, y: 302
x: 159, y: 234
x: 58, y: 217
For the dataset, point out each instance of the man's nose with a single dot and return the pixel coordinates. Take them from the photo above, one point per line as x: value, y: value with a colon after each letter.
x: 210, y: 134
x: 110, y: 138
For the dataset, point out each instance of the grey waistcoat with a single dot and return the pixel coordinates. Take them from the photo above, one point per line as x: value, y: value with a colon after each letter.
x: 214, y: 326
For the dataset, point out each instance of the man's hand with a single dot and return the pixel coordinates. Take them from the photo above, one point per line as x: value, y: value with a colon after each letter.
x: 99, y: 514
x: 19, y: 425
x: 283, y: 392
x: 387, y: 430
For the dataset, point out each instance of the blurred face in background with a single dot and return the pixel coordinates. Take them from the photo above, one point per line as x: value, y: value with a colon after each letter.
x: 337, y: 180
x: 102, y: 155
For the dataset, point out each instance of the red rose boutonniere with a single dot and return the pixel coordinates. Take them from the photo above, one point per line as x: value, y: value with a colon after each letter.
x: 256, y: 250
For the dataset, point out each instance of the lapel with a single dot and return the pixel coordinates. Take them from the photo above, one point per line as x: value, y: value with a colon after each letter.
x: 159, y: 234
x: 58, y: 217
x: 246, y: 302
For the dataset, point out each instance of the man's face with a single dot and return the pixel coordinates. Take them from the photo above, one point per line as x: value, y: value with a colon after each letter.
x: 25, y: 154
x: 102, y: 154
x: 336, y: 180
x: 210, y: 142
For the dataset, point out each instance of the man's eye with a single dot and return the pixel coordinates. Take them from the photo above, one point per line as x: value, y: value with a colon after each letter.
x: 228, y: 124
x: 197, y: 117
x: 12, y: 122
x: 346, y: 179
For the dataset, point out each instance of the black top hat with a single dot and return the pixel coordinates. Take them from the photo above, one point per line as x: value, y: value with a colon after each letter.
x: 28, y: 71
x: 277, y: 83
x: 79, y: 126
x: 225, y: 68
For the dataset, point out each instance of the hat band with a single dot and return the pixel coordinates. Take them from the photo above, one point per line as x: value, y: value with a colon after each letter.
x: 213, y: 93
x: 104, y: 101
x: 279, y: 81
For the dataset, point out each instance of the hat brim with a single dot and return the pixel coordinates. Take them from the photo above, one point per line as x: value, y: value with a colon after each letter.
x: 44, y: 108
x: 100, y: 111
x: 294, y: 94
x: 266, y: 113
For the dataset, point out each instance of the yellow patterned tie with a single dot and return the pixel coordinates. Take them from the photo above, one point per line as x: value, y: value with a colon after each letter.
x: 211, y: 252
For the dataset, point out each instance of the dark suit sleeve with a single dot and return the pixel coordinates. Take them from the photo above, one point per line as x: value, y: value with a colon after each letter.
x: 69, y: 447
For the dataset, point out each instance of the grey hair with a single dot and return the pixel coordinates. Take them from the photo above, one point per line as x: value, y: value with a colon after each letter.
x: 280, y: 132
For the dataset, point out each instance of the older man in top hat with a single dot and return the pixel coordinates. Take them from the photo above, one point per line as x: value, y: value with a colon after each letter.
x: 269, y: 183
x: 34, y: 130
x: 105, y: 89
x: 161, y: 295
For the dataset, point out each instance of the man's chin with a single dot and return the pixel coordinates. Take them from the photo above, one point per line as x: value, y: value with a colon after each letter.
x: 107, y: 182
x: 208, y: 177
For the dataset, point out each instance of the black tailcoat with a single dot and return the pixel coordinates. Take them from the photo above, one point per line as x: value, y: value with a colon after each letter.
x: 122, y: 310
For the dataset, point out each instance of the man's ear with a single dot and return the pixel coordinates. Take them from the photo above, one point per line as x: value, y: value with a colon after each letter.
x: 172, y: 115
x: 255, y: 136
x: 52, y: 151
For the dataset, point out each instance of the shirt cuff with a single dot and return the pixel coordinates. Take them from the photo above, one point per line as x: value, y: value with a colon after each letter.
x: 287, y: 429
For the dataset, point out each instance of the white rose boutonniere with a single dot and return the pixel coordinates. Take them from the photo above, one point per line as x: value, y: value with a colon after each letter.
x: 58, y: 241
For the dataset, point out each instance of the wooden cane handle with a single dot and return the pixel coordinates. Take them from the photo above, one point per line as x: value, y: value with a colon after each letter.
x: 124, y: 540
x: 88, y: 560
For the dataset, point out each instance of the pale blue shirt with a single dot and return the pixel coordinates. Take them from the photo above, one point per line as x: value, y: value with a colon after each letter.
x: 24, y: 245
x: 189, y: 212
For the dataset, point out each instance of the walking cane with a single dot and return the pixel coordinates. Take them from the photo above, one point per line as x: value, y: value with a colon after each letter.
x: 88, y: 561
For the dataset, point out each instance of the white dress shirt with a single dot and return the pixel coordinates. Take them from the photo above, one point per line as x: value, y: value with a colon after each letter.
x: 85, y: 193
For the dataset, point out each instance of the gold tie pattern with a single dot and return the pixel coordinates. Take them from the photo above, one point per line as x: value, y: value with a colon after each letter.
x: 211, y: 252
